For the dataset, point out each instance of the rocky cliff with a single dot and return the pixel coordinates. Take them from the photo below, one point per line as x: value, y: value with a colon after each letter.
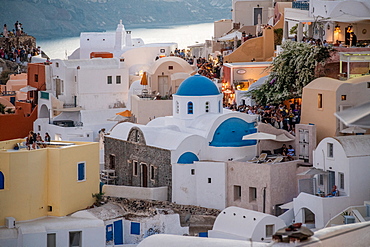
x: 60, y: 18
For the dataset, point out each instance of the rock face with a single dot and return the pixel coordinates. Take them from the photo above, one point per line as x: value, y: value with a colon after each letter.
x: 59, y: 18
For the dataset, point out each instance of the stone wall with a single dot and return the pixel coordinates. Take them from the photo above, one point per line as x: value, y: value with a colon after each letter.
x: 126, y: 153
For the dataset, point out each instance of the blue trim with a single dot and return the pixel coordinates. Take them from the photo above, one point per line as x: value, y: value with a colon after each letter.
x: 109, y: 232
x: 197, y: 85
x: 187, y: 158
x: 203, y: 234
x: 2, y: 181
x: 230, y: 133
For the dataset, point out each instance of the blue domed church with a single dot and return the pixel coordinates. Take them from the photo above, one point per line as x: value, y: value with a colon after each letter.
x: 186, y: 152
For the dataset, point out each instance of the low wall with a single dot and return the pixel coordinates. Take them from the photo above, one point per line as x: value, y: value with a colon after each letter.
x: 158, y: 193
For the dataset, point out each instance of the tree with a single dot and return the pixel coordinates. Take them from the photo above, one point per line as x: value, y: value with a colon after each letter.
x: 2, y: 108
x: 291, y: 70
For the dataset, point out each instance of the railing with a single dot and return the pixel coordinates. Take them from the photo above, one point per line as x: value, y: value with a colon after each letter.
x: 7, y: 93
x: 301, y: 5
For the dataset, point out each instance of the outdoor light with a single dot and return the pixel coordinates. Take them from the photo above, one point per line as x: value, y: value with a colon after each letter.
x: 337, y: 29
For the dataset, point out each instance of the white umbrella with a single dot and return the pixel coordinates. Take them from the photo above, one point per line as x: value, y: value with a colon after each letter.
x: 117, y: 118
x: 27, y: 89
x: 353, y: 130
x: 313, y: 171
x: 259, y: 136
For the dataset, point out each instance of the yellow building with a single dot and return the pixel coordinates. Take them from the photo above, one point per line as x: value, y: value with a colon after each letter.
x: 52, y: 181
x: 325, y: 96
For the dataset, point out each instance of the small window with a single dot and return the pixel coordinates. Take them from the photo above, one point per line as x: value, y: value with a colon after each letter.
x: 207, y: 106
x: 152, y: 172
x: 50, y: 208
x: 237, y: 192
x: 112, y: 161
x: 330, y: 150
x: 88, y: 39
x: 321, y: 179
x: 252, y: 194
x: 51, y: 240
x: 57, y: 65
x: 134, y: 167
x: 118, y: 79
x: 343, y: 97
x: 219, y: 106
x: 368, y: 84
x: 177, y: 107
x: 319, y: 101
x: 39, y: 127
x: 209, y: 180
x: 192, y: 171
x: 75, y: 239
x: 109, y: 79
x: 81, y: 170
x: 36, y: 78
x: 341, y: 180
x: 170, y: 67
x: 135, y: 228
x: 269, y: 230
x: 190, y: 107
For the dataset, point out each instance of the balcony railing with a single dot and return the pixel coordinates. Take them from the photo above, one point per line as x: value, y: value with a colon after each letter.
x: 301, y: 5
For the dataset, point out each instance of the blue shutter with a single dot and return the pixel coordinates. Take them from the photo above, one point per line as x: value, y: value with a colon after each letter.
x: 1, y: 181
x: 81, y: 171
x: 135, y: 228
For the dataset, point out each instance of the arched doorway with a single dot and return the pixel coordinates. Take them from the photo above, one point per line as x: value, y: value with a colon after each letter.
x: 308, y: 218
x: 44, y: 112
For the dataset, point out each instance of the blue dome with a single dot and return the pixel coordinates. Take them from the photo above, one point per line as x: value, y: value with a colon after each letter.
x: 187, y: 158
x: 197, y: 85
x: 230, y: 133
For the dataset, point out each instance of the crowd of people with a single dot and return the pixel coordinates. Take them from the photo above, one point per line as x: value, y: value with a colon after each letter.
x: 35, y: 141
x: 17, y: 31
x: 279, y: 116
x: 16, y: 51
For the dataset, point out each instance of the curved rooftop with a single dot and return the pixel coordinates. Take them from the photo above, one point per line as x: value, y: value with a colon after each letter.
x: 197, y: 85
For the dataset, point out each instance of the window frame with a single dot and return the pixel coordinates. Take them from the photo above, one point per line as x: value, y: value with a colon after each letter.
x: 190, y: 107
x: 330, y: 151
x: 118, y: 79
x: 135, y: 168
x: 237, y: 192
x: 80, y: 238
x: 341, y: 180
x: 109, y: 79
x: 252, y: 194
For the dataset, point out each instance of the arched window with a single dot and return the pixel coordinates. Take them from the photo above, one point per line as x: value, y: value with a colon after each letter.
x: 190, y: 107
x: 177, y: 107
x: 1, y: 181
x: 207, y: 107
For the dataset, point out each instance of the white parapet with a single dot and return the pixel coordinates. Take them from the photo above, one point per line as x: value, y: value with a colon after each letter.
x: 157, y: 193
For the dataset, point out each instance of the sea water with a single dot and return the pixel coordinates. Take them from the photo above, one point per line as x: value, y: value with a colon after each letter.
x: 183, y: 35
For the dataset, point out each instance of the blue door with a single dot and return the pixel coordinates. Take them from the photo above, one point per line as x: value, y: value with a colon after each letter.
x: 118, y: 232
x: 109, y: 233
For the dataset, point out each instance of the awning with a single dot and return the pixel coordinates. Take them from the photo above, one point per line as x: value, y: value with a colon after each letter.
x: 27, y: 89
x: 288, y: 205
x: 231, y: 36
x: 313, y: 171
x: 259, y: 136
x: 356, y: 116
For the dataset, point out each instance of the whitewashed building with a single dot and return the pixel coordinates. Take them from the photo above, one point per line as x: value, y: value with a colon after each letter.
x: 343, y: 161
x: 197, y: 139
x: 243, y: 224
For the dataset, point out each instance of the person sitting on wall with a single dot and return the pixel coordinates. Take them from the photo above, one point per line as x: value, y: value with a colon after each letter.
x: 290, y: 153
x: 334, y: 191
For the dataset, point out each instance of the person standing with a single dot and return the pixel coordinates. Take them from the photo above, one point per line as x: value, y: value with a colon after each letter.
x: 5, y: 31
x: 353, y: 39
x: 47, y: 137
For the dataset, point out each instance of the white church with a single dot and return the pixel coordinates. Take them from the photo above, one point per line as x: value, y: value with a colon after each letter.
x: 185, y: 152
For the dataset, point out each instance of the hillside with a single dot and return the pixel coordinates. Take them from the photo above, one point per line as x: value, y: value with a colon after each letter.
x: 61, y: 18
